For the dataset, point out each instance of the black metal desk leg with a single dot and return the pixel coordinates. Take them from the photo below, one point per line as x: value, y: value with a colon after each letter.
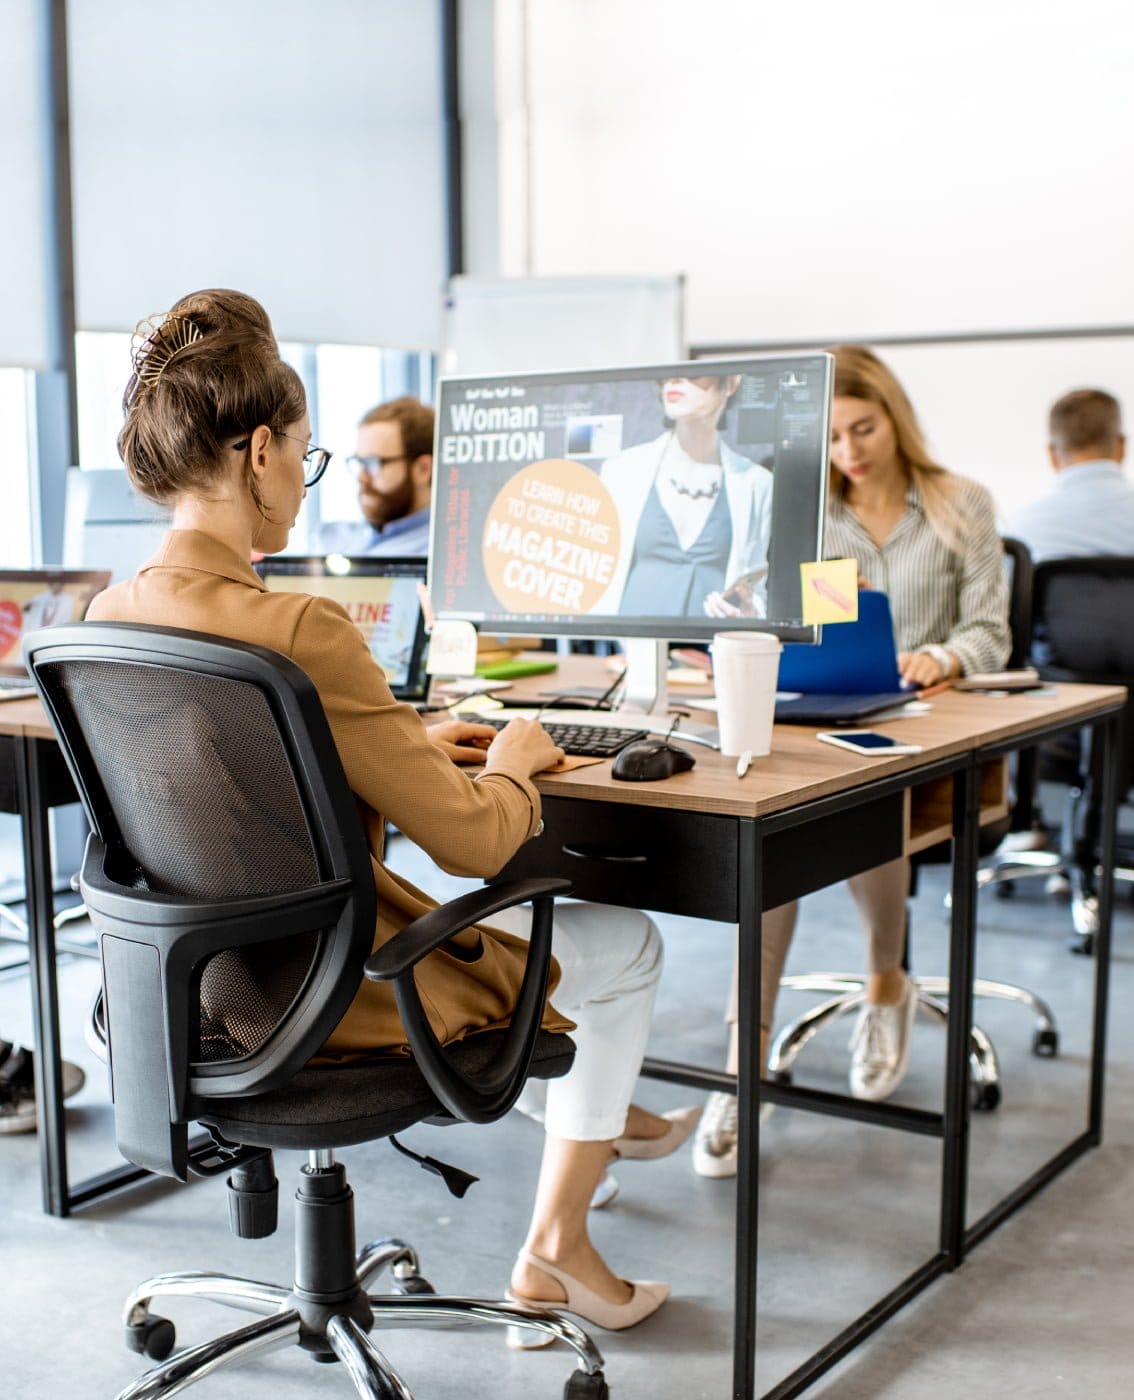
x: 44, y: 986
x: 749, y: 1070
x: 1109, y: 730
x: 962, y: 940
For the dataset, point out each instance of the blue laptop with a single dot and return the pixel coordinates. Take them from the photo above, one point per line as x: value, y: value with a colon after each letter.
x: 851, y: 674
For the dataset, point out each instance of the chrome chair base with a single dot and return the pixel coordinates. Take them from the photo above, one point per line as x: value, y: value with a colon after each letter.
x: 347, y: 1336
x: 849, y: 993
x: 1023, y: 865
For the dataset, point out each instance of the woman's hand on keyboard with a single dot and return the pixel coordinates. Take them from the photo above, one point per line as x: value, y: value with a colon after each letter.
x: 461, y: 740
x: 522, y: 746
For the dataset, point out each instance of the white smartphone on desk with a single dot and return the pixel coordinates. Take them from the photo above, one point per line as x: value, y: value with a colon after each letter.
x: 867, y: 741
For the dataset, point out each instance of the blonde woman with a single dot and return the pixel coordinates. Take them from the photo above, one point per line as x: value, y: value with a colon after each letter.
x: 927, y: 538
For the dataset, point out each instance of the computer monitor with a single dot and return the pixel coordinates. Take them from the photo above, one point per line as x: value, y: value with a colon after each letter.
x: 651, y: 504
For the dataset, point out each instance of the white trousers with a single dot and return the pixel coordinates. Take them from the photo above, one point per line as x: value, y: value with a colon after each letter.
x: 610, y: 961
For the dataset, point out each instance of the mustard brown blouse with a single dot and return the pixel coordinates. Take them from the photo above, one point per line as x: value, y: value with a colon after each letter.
x: 469, y: 826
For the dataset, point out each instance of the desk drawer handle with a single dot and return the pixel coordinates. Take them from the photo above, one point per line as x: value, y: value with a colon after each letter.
x: 597, y: 853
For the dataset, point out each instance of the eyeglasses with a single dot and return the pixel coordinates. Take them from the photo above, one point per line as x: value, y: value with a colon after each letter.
x: 372, y: 465
x: 315, y: 459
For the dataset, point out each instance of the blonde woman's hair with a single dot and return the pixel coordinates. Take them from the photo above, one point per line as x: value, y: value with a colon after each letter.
x: 860, y: 374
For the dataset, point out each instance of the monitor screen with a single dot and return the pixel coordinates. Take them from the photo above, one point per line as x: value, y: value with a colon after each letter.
x: 667, y: 501
x: 381, y: 599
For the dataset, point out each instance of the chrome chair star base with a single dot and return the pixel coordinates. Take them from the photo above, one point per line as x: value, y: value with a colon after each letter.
x: 328, y: 1311
x: 849, y: 993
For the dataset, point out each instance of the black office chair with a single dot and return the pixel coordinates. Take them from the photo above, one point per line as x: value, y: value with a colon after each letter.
x: 849, y: 989
x: 1080, y: 634
x: 229, y: 881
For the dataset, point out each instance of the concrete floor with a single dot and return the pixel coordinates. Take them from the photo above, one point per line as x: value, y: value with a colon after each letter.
x: 1041, y: 1308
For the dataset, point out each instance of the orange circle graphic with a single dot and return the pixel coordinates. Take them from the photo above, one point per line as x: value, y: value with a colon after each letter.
x: 551, y: 539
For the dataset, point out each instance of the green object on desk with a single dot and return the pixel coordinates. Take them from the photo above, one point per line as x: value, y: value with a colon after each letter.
x: 512, y: 670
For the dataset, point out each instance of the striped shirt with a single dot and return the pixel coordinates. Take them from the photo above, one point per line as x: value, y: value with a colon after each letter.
x: 938, y: 596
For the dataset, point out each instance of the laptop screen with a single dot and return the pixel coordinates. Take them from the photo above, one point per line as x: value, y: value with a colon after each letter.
x: 31, y: 598
x: 381, y: 599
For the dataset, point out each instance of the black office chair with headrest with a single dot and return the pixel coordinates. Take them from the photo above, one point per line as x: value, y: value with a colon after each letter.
x: 1080, y: 634
x: 229, y: 881
x: 848, y: 990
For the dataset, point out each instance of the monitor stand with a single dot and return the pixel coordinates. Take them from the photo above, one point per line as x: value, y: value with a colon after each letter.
x: 643, y: 702
x: 644, y: 684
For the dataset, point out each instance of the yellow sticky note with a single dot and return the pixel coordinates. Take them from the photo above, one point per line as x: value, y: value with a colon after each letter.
x: 830, y: 591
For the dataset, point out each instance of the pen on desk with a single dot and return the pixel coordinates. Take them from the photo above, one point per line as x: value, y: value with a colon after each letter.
x: 743, y: 763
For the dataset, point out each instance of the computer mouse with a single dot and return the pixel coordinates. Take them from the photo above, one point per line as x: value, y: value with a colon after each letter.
x: 650, y: 760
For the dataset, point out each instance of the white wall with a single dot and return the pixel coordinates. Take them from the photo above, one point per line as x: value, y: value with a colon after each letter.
x: 831, y: 171
x: 828, y: 168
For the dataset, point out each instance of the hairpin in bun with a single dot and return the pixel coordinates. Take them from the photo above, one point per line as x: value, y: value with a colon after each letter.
x: 158, y: 340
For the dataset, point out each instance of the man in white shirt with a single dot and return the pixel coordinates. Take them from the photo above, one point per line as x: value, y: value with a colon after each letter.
x: 394, y: 462
x: 1090, y: 507
x: 1088, y: 510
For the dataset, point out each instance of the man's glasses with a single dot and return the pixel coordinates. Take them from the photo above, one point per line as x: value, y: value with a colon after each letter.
x: 315, y: 459
x: 372, y: 466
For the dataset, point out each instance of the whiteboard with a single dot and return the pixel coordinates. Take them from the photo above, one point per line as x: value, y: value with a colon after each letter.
x: 984, y: 406
x: 515, y: 324
x: 983, y: 403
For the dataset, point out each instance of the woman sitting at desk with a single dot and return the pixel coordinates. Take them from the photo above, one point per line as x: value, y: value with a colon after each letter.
x: 695, y: 515
x: 928, y: 539
x: 217, y: 427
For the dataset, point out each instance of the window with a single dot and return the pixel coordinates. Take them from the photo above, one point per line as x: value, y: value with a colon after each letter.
x: 16, y: 536
x: 342, y: 382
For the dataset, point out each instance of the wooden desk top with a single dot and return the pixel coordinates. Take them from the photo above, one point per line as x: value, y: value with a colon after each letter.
x: 24, y: 717
x: 799, y: 768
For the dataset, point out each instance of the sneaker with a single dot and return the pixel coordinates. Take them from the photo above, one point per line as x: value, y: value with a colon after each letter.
x: 880, y: 1046
x: 714, y: 1146
x: 17, y: 1088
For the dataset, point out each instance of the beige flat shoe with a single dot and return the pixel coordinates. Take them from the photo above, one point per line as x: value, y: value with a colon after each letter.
x: 584, y: 1302
x: 681, y: 1121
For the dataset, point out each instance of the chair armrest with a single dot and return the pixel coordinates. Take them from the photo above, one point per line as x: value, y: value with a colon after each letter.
x: 413, y: 942
x: 492, y: 1092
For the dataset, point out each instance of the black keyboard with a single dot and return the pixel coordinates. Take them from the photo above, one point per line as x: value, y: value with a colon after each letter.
x: 582, y: 740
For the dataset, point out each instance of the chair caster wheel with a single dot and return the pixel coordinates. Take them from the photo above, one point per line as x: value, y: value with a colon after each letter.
x: 1005, y: 889
x: 983, y: 1098
x: 413, y: 1283
x: 583, y: 1385
x: 154, y: 1337
x: 1046, y: 1043
x: 779, y: 1076
x: 1084, y: 946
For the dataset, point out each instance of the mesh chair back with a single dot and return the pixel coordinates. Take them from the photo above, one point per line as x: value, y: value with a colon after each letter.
x: 1082, y: 607
x: 1082, y: 632
x: 205, y: 801
x: 210, y: 776
x: 1021, y: 585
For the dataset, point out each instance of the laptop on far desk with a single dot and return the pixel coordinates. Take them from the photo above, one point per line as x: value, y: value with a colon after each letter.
x: 848, y: 676
x: 33, y: 598
x: 380, y: 596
